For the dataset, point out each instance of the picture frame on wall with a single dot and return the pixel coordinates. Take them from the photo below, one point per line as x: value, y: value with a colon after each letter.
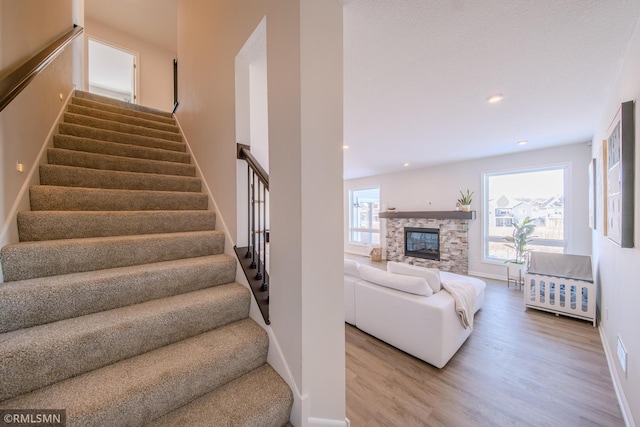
x: 601, y: 188
x: 592, y: 194
x: 620, y: 176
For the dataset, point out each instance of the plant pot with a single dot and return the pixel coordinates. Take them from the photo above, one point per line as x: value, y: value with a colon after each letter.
x: 465, y: 208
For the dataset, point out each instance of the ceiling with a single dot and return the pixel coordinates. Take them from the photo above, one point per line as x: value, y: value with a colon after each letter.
x: 418, y: 73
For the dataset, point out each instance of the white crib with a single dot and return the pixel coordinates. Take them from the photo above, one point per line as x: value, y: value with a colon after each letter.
x: 561, y: 284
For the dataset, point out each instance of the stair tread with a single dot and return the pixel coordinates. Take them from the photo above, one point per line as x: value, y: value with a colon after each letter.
x: 30, y: 302
x: 142, y: 388
x: 51, y: 197
x: 72, y: 176
x: 39, y: 356
x: 258, y: 398
x: 28, y: 260
x: 121, y: 127
x: 52, y: 225
x: 65, y: 157
x: 123, y: 104
x: 120, y: 137
x: 75, y: 100
x: 89, y: 145
x: 121, y: 118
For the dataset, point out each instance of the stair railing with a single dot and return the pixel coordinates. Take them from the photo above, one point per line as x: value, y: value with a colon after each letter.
x: 14, y: 83
x: 254, y: 258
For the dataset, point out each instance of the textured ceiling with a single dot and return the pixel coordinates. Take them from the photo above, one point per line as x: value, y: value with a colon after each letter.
x: 418, y: 72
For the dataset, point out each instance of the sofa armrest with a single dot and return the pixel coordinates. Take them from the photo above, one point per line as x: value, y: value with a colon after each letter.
x: 425, y: 327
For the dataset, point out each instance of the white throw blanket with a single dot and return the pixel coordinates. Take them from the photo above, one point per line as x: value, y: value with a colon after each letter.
x: 464, y: 294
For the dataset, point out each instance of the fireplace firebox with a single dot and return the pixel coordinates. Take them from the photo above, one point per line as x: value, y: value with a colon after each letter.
x: 422, y: 243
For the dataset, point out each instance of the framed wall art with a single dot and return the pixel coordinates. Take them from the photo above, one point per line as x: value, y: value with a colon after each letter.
x: 620, y: 176
x: 592, y: 194
x: 601, y: 188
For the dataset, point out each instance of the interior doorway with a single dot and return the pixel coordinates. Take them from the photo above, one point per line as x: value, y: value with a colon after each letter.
x: 112, y: 71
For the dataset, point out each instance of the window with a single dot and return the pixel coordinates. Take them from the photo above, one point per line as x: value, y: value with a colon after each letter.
x: 512, y: 196
x: 364, y: 224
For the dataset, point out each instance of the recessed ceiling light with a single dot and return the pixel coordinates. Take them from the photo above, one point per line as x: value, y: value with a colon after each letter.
x: 406, y: 164
x: 523, y: 142
x: 495, y: 98
x: 345, y: 147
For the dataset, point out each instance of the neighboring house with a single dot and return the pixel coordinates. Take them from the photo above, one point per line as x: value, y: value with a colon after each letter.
x: 306, y: 172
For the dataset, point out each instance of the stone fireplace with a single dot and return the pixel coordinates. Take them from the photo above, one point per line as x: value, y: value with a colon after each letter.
x: 453, y: 244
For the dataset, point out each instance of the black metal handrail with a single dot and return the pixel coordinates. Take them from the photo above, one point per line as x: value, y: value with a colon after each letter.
x: 175, y: 86
x: 14, y: 83
x: 253, y: 257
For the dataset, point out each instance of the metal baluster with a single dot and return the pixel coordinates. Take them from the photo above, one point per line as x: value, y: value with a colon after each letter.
x: 253, y: 220
x: 259, y: 231
x: 248, y: 254
x: 264, y: 286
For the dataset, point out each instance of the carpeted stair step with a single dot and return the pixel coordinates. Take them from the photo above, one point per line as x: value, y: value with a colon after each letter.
x: 119, y: 110
x: 42, y: 355
x: 52, y: 225
x: 69, y: 176
x: 140, y: 389
x: 120, y: 127
x: 258, y: 398
x: 121, y: 118
x: 27, y: 260
x: 120, y: 137
x: 58, y: 156
x: 49, y: 197
x: 122, y: 104
x: 69, y: 142
x: 31, y: 302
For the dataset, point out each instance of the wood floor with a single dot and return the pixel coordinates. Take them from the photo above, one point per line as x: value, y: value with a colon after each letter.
x: 518, y: 368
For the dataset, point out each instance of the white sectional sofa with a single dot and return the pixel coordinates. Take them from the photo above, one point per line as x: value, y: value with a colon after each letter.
x: 416, y: 316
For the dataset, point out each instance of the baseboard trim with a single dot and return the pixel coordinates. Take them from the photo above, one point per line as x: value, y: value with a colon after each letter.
x: 48, y: 141
x: 617, y: 385
x: 275, y: 356
x: 323, y: 422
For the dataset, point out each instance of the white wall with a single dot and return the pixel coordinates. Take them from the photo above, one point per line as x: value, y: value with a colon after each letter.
x: 437, y: 189
x: 25, y: 124
x: 155, y: 67
x: 618, y: 269
x: 304, y: 62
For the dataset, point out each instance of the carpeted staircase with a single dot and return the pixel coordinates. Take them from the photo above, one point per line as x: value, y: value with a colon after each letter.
x: 119, y: 304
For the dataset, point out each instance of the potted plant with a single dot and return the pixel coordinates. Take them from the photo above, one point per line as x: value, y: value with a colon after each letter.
x: 519, y: 240
x: 465, y: 200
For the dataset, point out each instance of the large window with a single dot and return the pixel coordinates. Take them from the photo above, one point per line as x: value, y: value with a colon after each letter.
x: 512, y: 196
x: 364, y: 224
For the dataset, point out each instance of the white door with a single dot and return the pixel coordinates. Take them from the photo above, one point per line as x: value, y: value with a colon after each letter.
x: 112, y: 71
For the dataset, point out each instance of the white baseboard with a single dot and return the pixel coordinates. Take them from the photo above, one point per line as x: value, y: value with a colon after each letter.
x: 23, y: 193
x: 323, y: 422
x: 617, y: 385
x: 275, y: 356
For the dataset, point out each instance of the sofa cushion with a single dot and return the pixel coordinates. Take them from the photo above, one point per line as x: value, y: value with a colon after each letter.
x: 431, y: 275
x: 351, y: 268
x: 411, y: 284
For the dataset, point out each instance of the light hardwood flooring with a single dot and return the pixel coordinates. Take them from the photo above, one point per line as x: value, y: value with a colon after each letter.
x: 518, y: 368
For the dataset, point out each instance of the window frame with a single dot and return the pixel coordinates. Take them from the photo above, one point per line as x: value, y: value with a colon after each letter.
x: 350, y: 228
x: 566, y: 243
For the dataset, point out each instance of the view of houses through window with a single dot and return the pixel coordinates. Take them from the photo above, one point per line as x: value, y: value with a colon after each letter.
x: 510, y: 197
x: 364, y: 224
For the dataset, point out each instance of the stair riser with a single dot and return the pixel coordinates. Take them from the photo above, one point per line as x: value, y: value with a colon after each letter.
x: 43, y: 259
x: 52, y: 225
x: 45, y: 197
x: 88, y: 145
x: 121, y: 104
x: 64, y: 350
x: 56, y: 156
x: 119, y: 137
x: 118, y: 110
x: 68, y: 176
x: 28, y: 303
x: 132, y: 394
x: 120, y: 127
x: 121, y: 118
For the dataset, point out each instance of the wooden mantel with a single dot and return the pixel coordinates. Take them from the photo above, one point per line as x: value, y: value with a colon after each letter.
x: 428, y: 214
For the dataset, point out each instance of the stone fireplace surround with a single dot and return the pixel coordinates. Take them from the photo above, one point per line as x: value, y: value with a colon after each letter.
x: 454, y: 245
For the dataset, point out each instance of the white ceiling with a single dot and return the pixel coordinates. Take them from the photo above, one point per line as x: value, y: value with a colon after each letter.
x: 418, y: 72
x: 155, y: 21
